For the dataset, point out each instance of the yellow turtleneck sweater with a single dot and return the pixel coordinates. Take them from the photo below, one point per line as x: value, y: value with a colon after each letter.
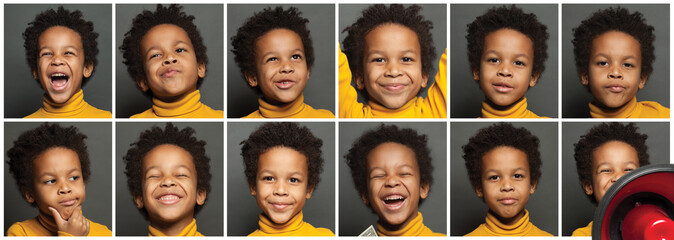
x: 492, y: 227
x: 294, y: 109
x: 416, y: 227
x: 632, y: 109
x: 187, y: 107
x: 75, y: 107
x: 519, y: 110
x: 433, y: 106
x: 44, y: 226
x: 189, y: 231
x: 294, y: 227
x: 583, y: 232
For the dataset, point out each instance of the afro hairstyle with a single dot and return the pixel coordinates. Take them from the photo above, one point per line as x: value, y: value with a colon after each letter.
x: 243, y: 44
x: 613, y: 19
x: 147, y: 20
x: 34, y: 142
x: 379, y: 14
x: 357, y: 159
x: 155, y: 136
x: 61, y: 17
x: 598, y: 136
x: 514, y: 18
x: 501, y: 135
x: 283, y: 134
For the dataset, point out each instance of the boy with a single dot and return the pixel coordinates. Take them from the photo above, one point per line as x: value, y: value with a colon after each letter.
x: 51, y: 167
x: 280, y: 64
x: 390, y: 50
x: 503, y: 164
x: 283, y: 164
x: 604, y: 154
x: 61, y: 50
x: 165, y: 55
x: 168, y: 174
x: 507, y: 50
x: 614, y: 56
x: 392, y: 170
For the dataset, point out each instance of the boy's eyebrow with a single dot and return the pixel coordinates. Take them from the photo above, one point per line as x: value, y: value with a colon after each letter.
x: 497, y: 52
x: 274, y: 52
x: 69, y: 46
x: 606, y: 56
x: 156, y: 45
x: 375, y: 51
x: 270, y: 171
x: 52, y: 174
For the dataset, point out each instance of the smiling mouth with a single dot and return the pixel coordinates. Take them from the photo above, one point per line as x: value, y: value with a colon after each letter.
x: 502, y: 87
x: 280, y: 206
x: 284, y: 84
x: 59, y: 81
x: 393, y: 87
x: 394, y: 201
x: 169, y: 199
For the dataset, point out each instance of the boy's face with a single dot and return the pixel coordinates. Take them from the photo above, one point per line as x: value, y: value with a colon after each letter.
x: 170, y: 63
x: 57, y: 182
x: 169, y: 185
x: 610, y: 161
x: 392, y: 72
x: 60, y: 64
x: 506, y: 183
x: 614, y: 73
x: 281, y: 183
x: 506, y: 67
x: 281, y: 65
x: 394, y: 183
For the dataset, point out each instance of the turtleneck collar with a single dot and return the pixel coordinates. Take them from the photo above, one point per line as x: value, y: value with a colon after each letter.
x: 519, y: 228
x: 518, y: 110
x: 47, y: 222
x: 630, y: 109
x: 290, y: 109
x: 285, y: 229
x: 75, y: 105
x: 406, y: 111
x: 188, y: 104
x: 189, y: 231
x: 415, y: 227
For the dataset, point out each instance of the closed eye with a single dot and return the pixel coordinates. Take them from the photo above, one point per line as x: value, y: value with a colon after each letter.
x: 46, y: 54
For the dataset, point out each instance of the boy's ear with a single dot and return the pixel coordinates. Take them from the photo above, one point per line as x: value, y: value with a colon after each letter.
x: 139, y: 201
x: 88, y: 70
x: 642, y: 81
x: 476, y: 75
x: 201, y: 196
x: 252, y: 189
x: 201, y: 70
x: 28, y: 196
x: 360, y: 83
x: 478, y: 192
x: 534, y: 79
x: 584, y: 79
x: 424, y: 81
x: 588, y: 189
x: 423, y: 191
x: 310, y: 190
x: 34, y: 75
x: 251, y: 79
x: 532, y: 188
x: 142, y: 84
x: 365, y: 200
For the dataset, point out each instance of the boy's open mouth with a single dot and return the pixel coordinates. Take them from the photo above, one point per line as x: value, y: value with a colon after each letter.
x: 284, y: 84
x: 394, y: 201
x: 59, y: 81
x: 502, y: 87
x: 169, y: 199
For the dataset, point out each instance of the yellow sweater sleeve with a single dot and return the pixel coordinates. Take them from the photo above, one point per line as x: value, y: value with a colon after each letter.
x: 435, y: 104
x: 349, y: 107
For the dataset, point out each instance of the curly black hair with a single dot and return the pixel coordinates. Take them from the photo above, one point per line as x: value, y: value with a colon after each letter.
x: 357, y: 160
x: 243, y: 43
x: 598, y: 136
x: 61, y: 17
x: 505, y: 17
x: 147, y: 20
x: 155, y: 136
x: 283, y: 134
x: 379, y: 14
x: 34, y: 142
x: 501, y: 135
x: 613, y: 19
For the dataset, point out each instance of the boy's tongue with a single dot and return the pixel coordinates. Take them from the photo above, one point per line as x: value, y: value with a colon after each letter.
x: 59, y: 82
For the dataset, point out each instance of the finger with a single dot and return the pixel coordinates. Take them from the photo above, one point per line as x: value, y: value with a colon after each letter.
x: 57, y: 216
x: 77, y: 214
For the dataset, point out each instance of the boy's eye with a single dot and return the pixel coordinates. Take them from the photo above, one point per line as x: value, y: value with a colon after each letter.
x: 74, y: 178
x: 628, y: 65
x: 629, y: 169
x: 70, y: 53
x: 378, y: 60
x: 376, y: 176
x: 152, y: 176
x: 293, y: 180
x: 518, y: 176
x: 605, y: 170
x: 45, y: 54
x: 268, y: 178
x: 181, y: 175
x: 602, y: 63
x: 407, y: 59
x: 154, y: 55
x: 271, y: 59
x: 179, y: 50
x: 492, y: 178
x: 519, y: 63
x: 296, y: 57
x: 50, y: 181
x: 406, y: 174
x: 493, y: 60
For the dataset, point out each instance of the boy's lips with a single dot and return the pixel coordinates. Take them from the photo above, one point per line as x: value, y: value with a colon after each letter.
x: 169, y: 199
x: 284, y: 83
x: 394, y: 202
x: 502, y: 87
x: 394, y: 86
x: 280, y: 206
x: 615, y: 88
x: 59, y: 81
x: 170, y: 72
x: 68, y: 202
x: 507, y: 201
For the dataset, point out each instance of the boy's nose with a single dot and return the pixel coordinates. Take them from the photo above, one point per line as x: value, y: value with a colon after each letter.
x: 56, y: 61
x: 287, y: 67
x: 64, y: 189
x: 505, y: 71
x: 170, y: 60
x: 615, y: 73
x: 506, y: 186
x: 168, y: 182
x: 393, y: 70
x: 392, y: 181
x: 280, y: 189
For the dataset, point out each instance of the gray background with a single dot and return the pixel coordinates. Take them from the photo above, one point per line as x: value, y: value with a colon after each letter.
x: 466, y: 94
x: 208, y: 18
x: 130, y: 221
x: 320, y: 90
x: 98, y: 204
x: 577, y: 209
x: 242, y: 210
x: 575, y: 96
x: 436, y: 13
x: 469, y: 211
x: 23, y: 94
x: 354, y: 216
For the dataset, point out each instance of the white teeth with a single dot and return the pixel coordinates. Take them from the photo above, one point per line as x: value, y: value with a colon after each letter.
x: 169, y: 197
x: 58, y: 75
x: 390, y: 198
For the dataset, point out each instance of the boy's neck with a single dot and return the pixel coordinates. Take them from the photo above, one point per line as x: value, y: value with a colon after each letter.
x: 171, y: 228
x: 47, y: 221
x: 178, y: 98
x: 509, y: 221
x: 391, y: 227
x: 606, y: 109
x: 502, y: 108
x: 277, y: 103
